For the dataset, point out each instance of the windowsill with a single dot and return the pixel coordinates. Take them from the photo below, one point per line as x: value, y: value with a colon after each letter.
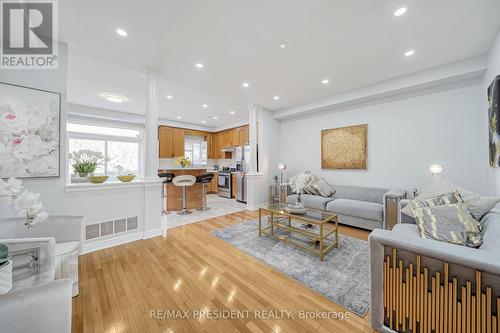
x: 103, y: 186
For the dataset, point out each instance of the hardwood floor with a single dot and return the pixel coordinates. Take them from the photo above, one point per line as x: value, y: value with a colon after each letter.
x: 123, y: 289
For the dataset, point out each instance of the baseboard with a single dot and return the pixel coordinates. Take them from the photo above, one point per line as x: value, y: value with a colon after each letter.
x: 110, y: 242
x: 119, y: 240
x: 257, y: 206
x: 152, y: 233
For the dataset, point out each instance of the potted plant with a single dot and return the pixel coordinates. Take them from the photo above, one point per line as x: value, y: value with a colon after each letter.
x: 182, y: 161
x: 27, y: 204
x: 85, y: 162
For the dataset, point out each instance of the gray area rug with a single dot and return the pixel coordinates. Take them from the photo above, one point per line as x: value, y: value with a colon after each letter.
x: 342, y: 277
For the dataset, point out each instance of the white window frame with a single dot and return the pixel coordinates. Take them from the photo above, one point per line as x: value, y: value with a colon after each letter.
x: 202, y: 142
x: 106, y: 138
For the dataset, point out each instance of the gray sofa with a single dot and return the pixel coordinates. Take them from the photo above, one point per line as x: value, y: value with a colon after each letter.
x: 363, y: 207
x: 462, y: 262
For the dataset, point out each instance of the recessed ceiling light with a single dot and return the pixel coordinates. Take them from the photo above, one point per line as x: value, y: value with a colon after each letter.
x: 121, y: 32
x: 214, y: 117
x: 232, y: 112
x: 400, y: 11
x: 169, y: 97
x: 282, y: 44
x: 205, y: 106
x: 203, y: 121
x: 276, y: 98
x: 409, y: 53
x: 179, y: 117
x: 245, y: 84
x: 325, y: 81
x: 115, y: 98
x: 199, y: 65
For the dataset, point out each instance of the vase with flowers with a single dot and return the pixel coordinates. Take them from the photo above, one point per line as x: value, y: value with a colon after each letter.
x: 182, y: 161
x: 27, y: 205
x: 298, y: 183
x: 85, y: 162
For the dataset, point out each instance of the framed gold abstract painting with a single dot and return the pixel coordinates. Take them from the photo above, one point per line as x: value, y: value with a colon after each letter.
x: 344, y: 147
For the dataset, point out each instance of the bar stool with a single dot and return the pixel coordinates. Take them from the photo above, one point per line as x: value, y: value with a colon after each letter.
x: 184, y: 181
x: 204, y: 180
x: 168, y: 179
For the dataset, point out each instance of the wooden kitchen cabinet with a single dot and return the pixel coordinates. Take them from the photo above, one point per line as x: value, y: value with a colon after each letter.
x: 243, y: 136
x: 178, y: 146
x: 213, y: 186
x: 235, y: 137
x: 233, y: 185
x: 166, y: 141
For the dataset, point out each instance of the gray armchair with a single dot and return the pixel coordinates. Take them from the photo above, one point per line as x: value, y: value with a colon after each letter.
x: 67, y: 232
x: 423, y: 283
x: 45, y: 308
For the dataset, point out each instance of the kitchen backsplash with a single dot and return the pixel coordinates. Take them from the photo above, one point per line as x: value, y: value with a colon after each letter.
x: 166, y: 163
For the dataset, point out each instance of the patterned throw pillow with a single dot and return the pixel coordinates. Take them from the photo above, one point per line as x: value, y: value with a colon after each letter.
x: 450, y: 223
x: 320, y: 186
x: 424, y: 201
x: 309, y: 188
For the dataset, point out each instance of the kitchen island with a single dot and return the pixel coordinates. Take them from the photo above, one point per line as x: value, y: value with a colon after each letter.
x: 172, y: 200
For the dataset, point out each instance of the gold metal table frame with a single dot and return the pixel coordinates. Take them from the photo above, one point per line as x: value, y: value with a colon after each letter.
x: 327, y: 237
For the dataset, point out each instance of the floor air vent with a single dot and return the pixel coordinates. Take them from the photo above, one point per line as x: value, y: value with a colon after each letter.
x: 112, y: 227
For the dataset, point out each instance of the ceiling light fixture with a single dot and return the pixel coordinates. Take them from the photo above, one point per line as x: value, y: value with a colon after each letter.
x: 276, y: 98
x: 169, y: 97
x: 400, y: 11
x: 231, y: 112
x: 115, y: 98
x: 179, y: 117
x: 199, y: 65
x: 203, y: 121
x: 205, y: 106
x: 409, y: 53
x: 245, y: 84
x: 214, y: 117
x: 325, y: 81
x: 282, y: 45
x: 121, y: 32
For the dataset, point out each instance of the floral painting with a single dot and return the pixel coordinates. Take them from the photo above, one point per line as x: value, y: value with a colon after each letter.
x: 494, y: 123
x: 29, y: 132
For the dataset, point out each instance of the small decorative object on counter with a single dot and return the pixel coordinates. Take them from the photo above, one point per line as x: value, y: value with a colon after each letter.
x: 97, y: 179
x: 126, y: 178
x: 85, y: 162
x: 182, y: 161
x: 5, y: 270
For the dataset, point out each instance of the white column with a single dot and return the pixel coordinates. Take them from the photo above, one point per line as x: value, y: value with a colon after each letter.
x: 254, y: 177
x: 152, y: 225
x: 151, y: 132
x: 253, y: 135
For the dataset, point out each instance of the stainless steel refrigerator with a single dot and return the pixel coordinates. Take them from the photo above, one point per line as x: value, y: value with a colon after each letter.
x: 243, y: 165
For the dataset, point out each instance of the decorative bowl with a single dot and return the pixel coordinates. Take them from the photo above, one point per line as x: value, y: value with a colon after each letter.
x: 126, y: 178
x: 97, y: 179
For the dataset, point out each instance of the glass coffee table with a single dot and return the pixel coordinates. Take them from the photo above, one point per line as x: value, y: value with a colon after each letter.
x: 315, y: 230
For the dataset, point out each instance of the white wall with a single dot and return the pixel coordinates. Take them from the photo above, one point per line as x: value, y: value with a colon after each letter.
x: 492, y: 72
x: 404, y: 137
x: 90, y: 204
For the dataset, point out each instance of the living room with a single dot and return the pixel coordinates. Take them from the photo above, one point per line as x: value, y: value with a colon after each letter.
x: 181, y: 166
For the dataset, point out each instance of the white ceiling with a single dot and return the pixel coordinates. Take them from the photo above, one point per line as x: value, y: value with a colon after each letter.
x: 354, y: 43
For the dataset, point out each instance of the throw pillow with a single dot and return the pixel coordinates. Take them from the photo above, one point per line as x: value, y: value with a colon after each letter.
x: 477, y: 204
x: 427, y: 200
x: 322, y: 187
x: 309, y: 188
x: 451, y: 223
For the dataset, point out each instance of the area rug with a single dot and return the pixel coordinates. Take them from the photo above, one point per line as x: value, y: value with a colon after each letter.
x: 343, y: 276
